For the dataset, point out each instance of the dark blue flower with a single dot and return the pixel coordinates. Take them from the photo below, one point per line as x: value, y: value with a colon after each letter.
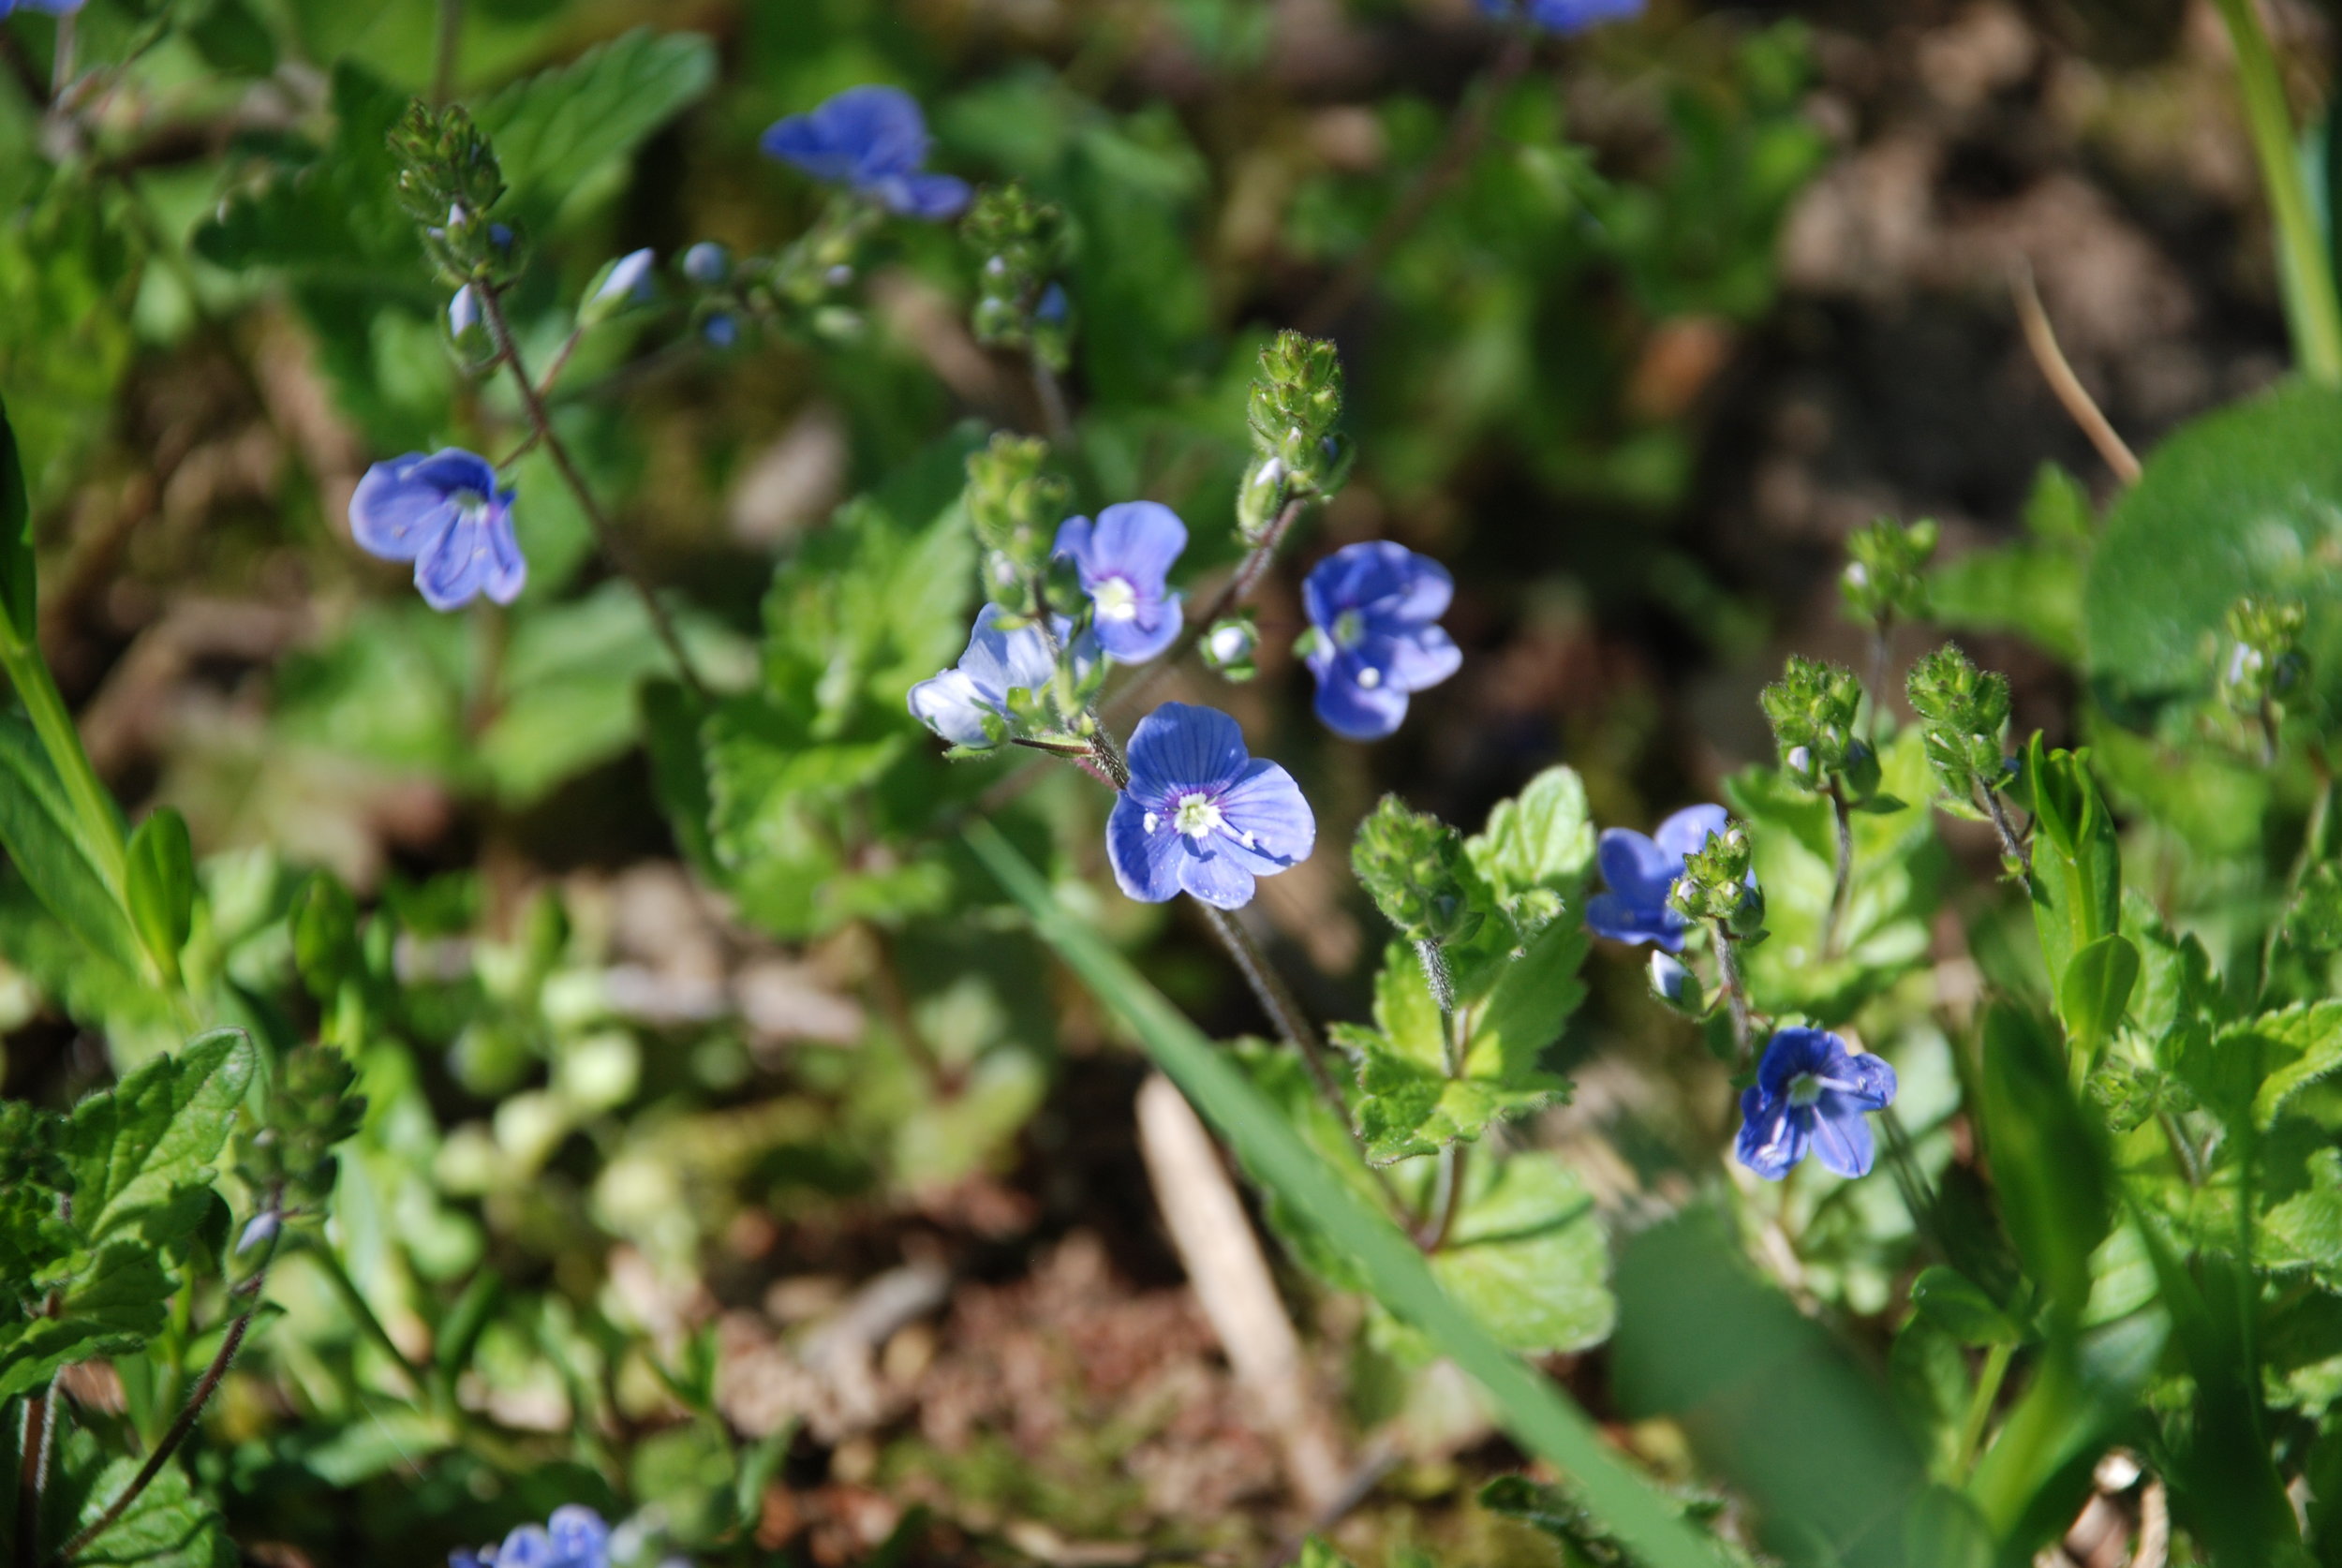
x: 955, y: 702
x: 1374, y: 610
x: 1124, y: 560
x: 1201, y: 814
x: 1565, y: 16
x: 1810, y: 1095
x: 446, y: 513
x: 1639, y: 873
x: 873, y: 140
x: 721, y: 330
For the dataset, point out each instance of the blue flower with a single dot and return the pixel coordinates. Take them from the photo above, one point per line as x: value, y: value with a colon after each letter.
x: 1124, y: 560
x: 1201, y: 815
x: 463, y: 314
x: 721, y: 331
x: 574, y: 1537
x: 1372, y: 609
x: 1567, y: 16
x: 1809, y: 1094
x: 872, y: 140
x: 446, y: 513
x: 628, y: 279
x: 955, y: 702
x: 48, y: 8
x: 1641, y: 872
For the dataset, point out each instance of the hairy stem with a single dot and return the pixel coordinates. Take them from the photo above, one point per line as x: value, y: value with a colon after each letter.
x: 613, y: 544
x: 1057, y: 417
x: 2312, y: 309
x: 1278, y: 1001
x: 1447, y: 1200
x: 1466, y: 132
x: 2010, y: 845
x: 32, y: 1476
x: 1843, y: 871
x: 192, y: 1411
x: 445, y: 46
x: 1735, y: 990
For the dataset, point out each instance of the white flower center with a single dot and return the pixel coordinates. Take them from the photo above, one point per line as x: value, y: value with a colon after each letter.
x: 1369, y: 677
x: 1115, y: 600
x: 1804, y: 1090
x: 1196, y: 814
x: 469, y: 504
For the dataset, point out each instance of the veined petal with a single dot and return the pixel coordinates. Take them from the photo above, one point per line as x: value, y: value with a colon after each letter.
x: 1271, y: 820
x: 1609, y: 915
x: 1422, y: 658
x: 1842, y: 1138
x: 581, y: 1539
x: 507, y: 568
x: 1146, y: 635
x: 881, y: 127
x: 1773, y: 1135
x: 1182, y: 745
x: 1796, y: 1051
x: 1636, y: 868
x: 931, y: 198
x: 1353, y: 711
x: 1864, y: 1080
x: 1146, y: 863
x: 396, y: 516
x: 526, y: 1545
x: 1688, y: 831
x: 1000, y: 659
x: 457, y: 563
x: 951, y: 705
x: 1141, y: 539
x: 1214, y: 873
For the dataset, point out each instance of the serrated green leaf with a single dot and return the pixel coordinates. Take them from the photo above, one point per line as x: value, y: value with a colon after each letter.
x: 161, y: 893
x: 555, y: 130
x: 109, y: 1307
x: 131, y: 1147
x: 45, y: 836
x: 1411, y: 1104
x: 332, y: 217
x: 2294, y: 1047
x: 1541, y: 838
x: 2097, y: 988
x: 167, y: 1526
x: 2314, y: 924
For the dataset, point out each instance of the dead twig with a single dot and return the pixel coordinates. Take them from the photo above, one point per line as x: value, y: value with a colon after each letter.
x: 2042, y: 340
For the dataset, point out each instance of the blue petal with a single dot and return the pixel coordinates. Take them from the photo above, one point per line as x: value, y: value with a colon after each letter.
x: 1863, y: 1080
x: 1140, y: 540
x: 1576, y: 16
x: 1073, y: 537
x: 1773, y: 1136
x: 1212, y: 872
x: 1000, y: 660
x: 394, y: 515
x: 475, y: 554
x: 1146, y: 864
x: 1688, y: 831
x: 1842, y: 1138
x: 1609, y: 915
x: 527, y: 1547
x: 630, y: 276
x: 580, y: 1538
x: 1146, y: 635
x: 1420, y: 660
x: 451, y: 469
x: 1350, y: 710
x: 1636, y: 868
x: 1266, y: 804
x: 931, y: 198
x: 1181, y: 746
x: 952, y: 707
x: 1794, y: 1051
x: 860, y: 138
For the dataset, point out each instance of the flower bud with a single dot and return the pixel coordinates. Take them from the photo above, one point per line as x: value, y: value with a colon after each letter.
x: 1675, y: 984
x: 1232, y: 647
x: 620, y: 285
x: 707, y: 263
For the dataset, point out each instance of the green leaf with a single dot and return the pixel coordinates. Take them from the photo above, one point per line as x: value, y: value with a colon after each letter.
x: 1960, y: 1308
x: 45, y: 836
x: 167, y: 1526
x: 162, y: 885
x: 1526, y: 1255
x: 110, y: 1307
x: 2314, y: 924
x: 2077, y: 879
x: 159, y: 1128
x: 2097, y: 990
x: 1767, y: 1396
x: 555, y: 130
x: 2295, y: 1047
x: 2246, y: 500
x: 18, y: 620
x: 1540, y: 839
x: 1539, y: 1415
x: 329, y: 215
x: 2032, y: 586
x: 1412, y: 1106
x: 2047, y: 1165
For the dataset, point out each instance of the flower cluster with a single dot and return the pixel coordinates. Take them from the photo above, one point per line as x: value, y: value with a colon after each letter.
x: 573, y: 1537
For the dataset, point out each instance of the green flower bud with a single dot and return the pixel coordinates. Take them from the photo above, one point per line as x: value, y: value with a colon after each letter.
x: 1296, y: 404
x: 1962, y: 711
x: 1812, y: 709
x: 1414, y: 867
x: 1884, y: 577
x: 1716, y: 884
x: 1022, y: 243
x: 1015, y: 505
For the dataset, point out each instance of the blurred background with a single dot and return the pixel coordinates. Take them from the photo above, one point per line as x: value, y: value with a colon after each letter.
x: 1690, y: 299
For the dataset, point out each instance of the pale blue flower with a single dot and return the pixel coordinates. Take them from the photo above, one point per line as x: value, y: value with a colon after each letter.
x: 1641, y: 872
x: 872, y: 140
x: 958, y: 702
x: 1201, y: 815
x: 446, y: 513
x: 1124, y: 559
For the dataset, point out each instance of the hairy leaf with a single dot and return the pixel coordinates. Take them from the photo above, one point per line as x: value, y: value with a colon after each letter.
x: 159, y: 1128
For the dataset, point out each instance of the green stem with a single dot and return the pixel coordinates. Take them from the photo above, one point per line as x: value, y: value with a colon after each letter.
x: 2312, y: 309
x: 54, y: 723
x: 1981, y: 1406
x: 1843, y: 871
x: 1735, y: 989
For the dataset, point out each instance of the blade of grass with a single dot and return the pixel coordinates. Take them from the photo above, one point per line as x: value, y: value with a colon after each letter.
x: 1536, y: 1414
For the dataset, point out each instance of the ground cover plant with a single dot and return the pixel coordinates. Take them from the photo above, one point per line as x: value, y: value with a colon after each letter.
x: 1169, y: 781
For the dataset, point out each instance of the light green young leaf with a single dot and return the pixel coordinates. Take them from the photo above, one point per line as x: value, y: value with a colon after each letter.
x: 2296, y: 1048
x: 158, y: 1128
x: 44, y: 835
x: 111, y: 1306
x: 2077, y: 881
x: 555, y: 130
x: 162, y: 885
x: 2097, y: 988
x: 1540, y: 839
x: 1411, y: 1104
